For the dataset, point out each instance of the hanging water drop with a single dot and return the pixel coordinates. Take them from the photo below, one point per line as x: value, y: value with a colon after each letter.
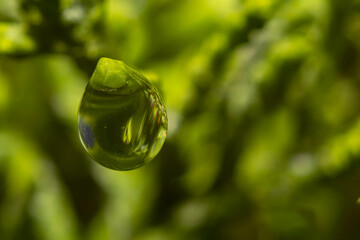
x: 122, y: 121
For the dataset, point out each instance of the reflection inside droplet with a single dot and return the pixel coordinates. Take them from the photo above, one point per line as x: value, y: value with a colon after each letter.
x: 122, y: 122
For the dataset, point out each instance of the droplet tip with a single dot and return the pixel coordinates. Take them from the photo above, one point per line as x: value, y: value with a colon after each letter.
x: 109, y: 73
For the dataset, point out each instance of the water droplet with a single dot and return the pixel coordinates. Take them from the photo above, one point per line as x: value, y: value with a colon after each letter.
x: 122, y: 121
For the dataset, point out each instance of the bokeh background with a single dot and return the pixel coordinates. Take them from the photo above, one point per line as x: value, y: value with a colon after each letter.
x: 264, y: 119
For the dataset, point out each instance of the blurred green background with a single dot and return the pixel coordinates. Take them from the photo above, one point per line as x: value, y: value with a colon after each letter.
x: 263, y: 100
